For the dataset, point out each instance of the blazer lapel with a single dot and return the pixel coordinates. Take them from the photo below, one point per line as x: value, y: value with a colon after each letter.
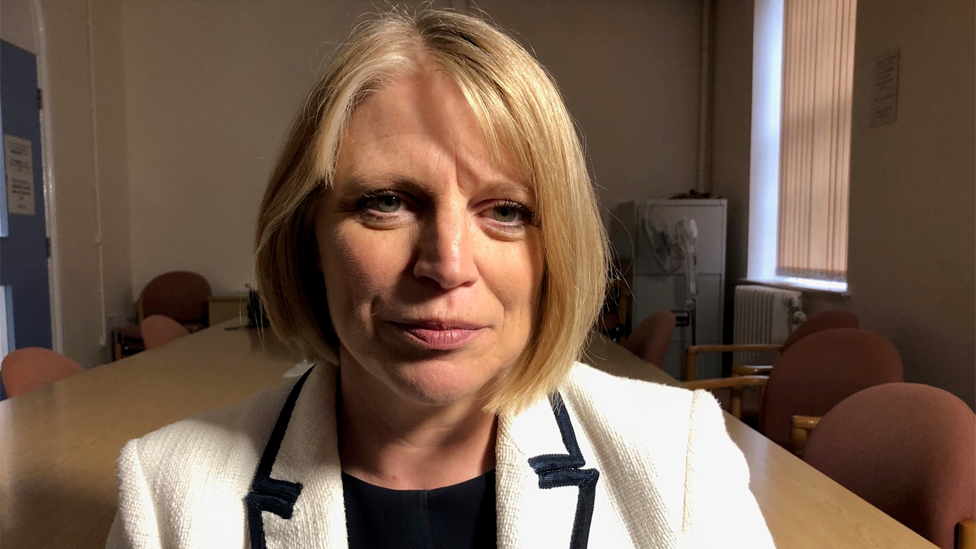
x: 300, y: 503
x: 551, y: 490
x: 546, y: 488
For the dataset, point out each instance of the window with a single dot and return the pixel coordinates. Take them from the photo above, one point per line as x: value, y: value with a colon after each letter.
x: 802, y: 82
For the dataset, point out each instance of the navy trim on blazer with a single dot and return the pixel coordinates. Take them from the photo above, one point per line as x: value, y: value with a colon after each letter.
x: 558, y: 470
x: 270, y: 494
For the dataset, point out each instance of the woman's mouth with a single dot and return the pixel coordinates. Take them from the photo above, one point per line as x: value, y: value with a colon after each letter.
x: 439, y: 335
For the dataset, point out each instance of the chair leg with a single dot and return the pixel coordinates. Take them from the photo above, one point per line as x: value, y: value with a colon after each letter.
x: 966, y: 534
x: 736, y: 402
x: 691, y: 365
x: 800, y: 431
x: 116, y: 347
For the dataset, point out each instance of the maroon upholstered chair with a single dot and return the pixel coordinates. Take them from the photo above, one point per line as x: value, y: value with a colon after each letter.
x: 31, y: 368
x: 909, y: 450
x: 819, y: 371
x: 651, y: 338
x: 811, y: 377
x: 824, y: 320
x: 180, y: 295
x: 158, y: 330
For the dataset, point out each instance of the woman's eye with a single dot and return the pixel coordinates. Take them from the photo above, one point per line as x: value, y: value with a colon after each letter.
x: 506, y: 214
x: 384, y: 203
x: 510, y: 213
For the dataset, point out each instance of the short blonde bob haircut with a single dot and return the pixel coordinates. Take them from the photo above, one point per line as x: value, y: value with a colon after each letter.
x: 521, y: 114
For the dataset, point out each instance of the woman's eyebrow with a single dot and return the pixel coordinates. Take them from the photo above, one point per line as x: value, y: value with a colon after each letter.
x: 358, y: 183
x: 507, y: 188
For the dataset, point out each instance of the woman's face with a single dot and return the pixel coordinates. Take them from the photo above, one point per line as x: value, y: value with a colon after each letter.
x: 432, y: 263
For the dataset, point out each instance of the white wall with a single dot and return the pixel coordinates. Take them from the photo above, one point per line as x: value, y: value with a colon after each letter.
x: 17, y: 26
x: 913, y: 190
x: 211, y: 88
x: 83, y: 102
x: 731, y: 133
x: 179, y: 111
x: 912, y: 255
x: 630, y: 72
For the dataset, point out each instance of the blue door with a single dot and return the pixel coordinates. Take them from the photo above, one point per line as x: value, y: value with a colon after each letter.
x: 23, y: 235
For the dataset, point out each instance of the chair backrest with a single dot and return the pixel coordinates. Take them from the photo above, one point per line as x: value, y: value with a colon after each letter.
x: 819, y: 371
x: 908, y: 449
x: 31, y: 368
x: 651, y: 338
x: 158, y: 330
x: 824, y: 320
x: 180, y: 295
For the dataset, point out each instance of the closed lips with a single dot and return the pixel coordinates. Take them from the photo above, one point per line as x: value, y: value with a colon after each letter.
x: 440, y: 335
x: 439, y: 325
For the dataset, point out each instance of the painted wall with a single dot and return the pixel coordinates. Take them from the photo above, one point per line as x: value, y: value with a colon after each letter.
x: 912, y: 268
x: 913, y: 190
x: 86, y: 105
x: 85, y: 111
x: 17, y: 26
x: 731, y: 131
x: 181, y: 107
x: 211, y: 88
x: 630, y: 73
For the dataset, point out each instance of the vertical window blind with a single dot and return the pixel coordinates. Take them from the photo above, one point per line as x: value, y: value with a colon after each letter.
x: 818, y: 62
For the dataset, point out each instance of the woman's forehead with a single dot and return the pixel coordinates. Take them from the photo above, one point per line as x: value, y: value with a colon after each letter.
x: 420, y: 121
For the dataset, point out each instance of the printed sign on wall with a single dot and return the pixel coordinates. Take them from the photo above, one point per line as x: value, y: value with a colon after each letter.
x: 20, y: 175
x: 884, y: 93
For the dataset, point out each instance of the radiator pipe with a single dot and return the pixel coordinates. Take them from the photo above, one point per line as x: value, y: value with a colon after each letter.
x: 704, y: 120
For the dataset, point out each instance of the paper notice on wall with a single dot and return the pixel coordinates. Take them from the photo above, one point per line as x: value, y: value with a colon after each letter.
x: 20, y: 175
x: 884, y: 90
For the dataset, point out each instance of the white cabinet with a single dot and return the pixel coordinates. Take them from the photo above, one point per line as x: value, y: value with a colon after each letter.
x: 657, y: 285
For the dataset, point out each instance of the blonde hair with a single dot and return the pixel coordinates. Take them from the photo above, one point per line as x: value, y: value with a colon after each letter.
x: 521, y: 114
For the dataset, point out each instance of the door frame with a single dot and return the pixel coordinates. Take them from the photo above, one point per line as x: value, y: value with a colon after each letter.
x: 47, y: 160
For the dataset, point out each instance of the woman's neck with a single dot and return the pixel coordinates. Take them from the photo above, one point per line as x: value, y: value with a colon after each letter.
x: 391, y: 441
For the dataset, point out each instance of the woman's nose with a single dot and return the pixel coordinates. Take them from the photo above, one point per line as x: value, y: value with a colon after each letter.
x: 446, y: 253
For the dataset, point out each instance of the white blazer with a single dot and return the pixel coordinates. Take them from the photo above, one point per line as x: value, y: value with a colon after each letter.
x: 606, y: 462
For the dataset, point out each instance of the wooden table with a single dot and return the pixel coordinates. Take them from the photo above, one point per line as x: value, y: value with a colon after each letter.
x: 58, y: 446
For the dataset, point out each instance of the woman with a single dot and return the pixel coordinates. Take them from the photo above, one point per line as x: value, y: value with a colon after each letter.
x: 431, y: 238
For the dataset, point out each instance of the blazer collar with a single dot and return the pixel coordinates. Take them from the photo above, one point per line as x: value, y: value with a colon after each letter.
x: 546, y: 485
x: 300, y: 503
x: 546, y: 479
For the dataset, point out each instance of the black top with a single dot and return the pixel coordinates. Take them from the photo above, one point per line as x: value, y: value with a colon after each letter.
x: 461, y: 516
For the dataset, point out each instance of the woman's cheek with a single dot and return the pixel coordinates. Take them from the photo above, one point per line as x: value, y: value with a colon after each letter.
x: 371, y: 260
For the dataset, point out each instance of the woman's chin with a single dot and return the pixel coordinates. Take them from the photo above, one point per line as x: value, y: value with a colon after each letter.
x: 440, y: 385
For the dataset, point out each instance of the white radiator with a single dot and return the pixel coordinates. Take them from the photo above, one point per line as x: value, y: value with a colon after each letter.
x: 763, y: 315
